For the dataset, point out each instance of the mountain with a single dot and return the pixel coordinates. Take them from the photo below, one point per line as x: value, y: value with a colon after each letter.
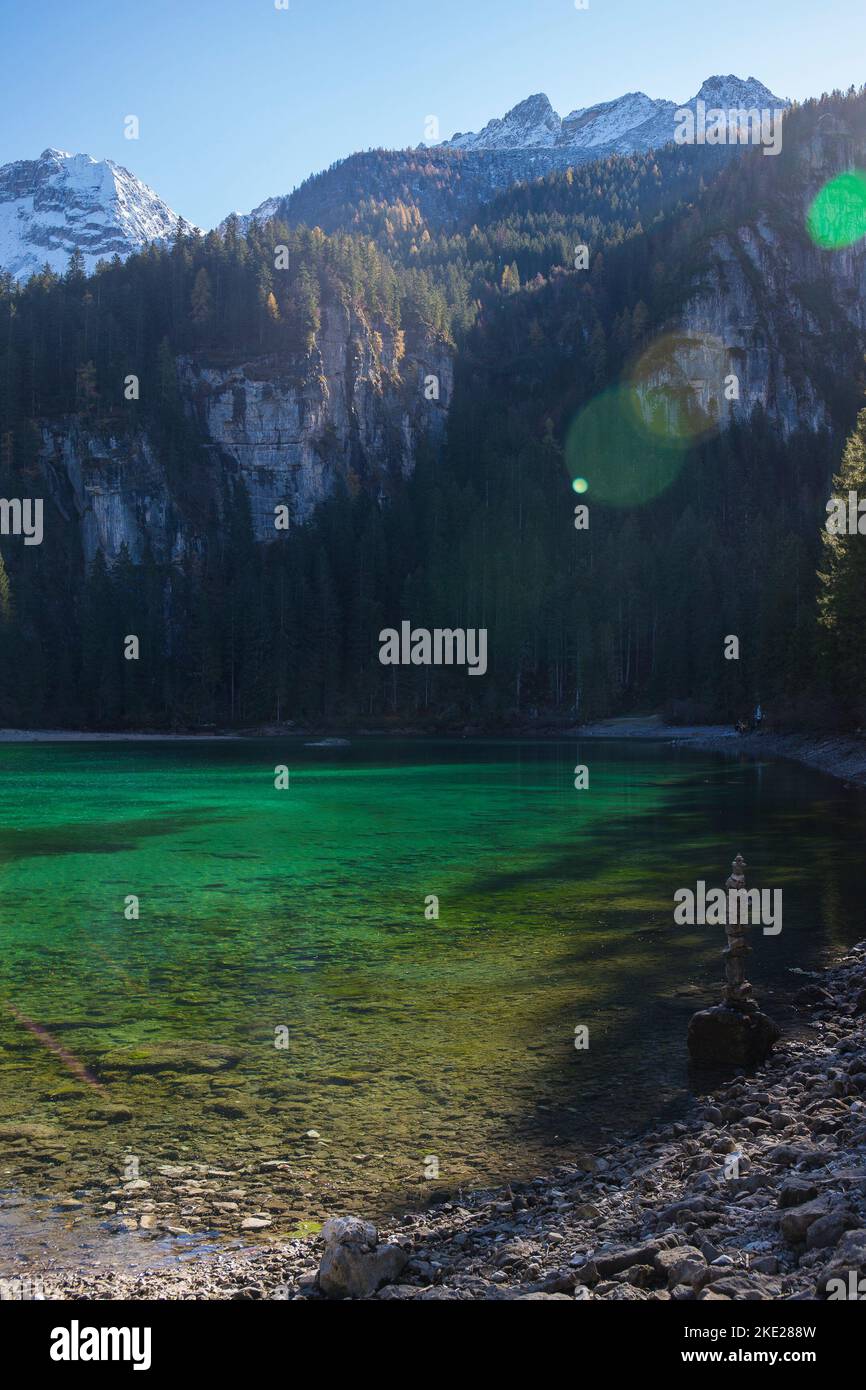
x: 60, y: 203
x: 415, y: 405
x: 630, y: 123
x: 610, y: 122
x: 451, y: 181
x: 532, y: 124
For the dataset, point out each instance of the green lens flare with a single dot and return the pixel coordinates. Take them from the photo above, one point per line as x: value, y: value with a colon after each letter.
x: 610, y: 450
x: 837, y: 215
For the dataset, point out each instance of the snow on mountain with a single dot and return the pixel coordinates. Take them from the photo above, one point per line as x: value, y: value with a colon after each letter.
x: 628, y: 124
x: 612, y: 120
x: 263, y: 213
x: 728, y: 94
x: 59, y: 202
x: 731, y: 92
x: 526, y: 143
x: 532, y: 124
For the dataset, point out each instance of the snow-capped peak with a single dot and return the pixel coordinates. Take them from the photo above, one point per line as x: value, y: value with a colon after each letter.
x: 531, y: 124
x: 263, y: 213
x: 625, y: 125
x: 728, y: 93
x: 62, y: 202
x: 611, y: 120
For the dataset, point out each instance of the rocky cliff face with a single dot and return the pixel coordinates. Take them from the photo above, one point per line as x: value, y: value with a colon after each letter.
x: 784, y: 315
x: 355, y: 409
x: 767, y: 305
x: 115, y: 489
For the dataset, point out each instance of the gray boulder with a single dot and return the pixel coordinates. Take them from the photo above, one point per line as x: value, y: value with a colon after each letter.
x: 354, y: 1264
x: 827, y: 1230
x: 682, y: 1266
x: 848, y: 1260
x: 795, y: 1222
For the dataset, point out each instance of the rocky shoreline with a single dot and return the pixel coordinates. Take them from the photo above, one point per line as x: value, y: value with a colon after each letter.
x: 838, y: 755
x: 758, y: 1193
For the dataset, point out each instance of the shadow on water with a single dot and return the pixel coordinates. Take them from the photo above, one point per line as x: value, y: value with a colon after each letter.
x: 797, y: 850
x: 96, y: 836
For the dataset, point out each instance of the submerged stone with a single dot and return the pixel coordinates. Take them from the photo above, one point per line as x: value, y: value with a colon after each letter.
x: 11, y: 1133
x: 171, y: 1056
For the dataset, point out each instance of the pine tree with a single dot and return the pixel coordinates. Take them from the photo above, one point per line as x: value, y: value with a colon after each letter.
x: 75, y: 273
x: 842, y: 600
x: 201, y: 299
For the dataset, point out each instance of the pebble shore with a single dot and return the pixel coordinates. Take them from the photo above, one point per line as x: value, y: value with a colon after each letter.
x: 759, y: 1192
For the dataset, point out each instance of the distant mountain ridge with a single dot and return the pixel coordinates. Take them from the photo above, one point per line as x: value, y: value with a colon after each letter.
x: 61, y: 202
x: 628, y: 124
x: 446, y: 180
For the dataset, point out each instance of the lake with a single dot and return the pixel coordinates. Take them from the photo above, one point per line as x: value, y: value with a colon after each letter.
x: 282, y: 976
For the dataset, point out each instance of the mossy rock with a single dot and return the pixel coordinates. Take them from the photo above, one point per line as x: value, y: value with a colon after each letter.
x: 67, y: 1091
x: 170, y: 1056
x: 231, y: 1109
x: 10, y: 1133
x: 111, y: 1114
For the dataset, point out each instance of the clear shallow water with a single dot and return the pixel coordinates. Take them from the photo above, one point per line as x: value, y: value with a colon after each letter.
x: 304, y: 909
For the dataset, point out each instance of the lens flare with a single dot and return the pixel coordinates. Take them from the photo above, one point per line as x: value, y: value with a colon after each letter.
x: 837, y: 215
x: 629, y: 444
x: 611, y: 453
x: 680, y: 384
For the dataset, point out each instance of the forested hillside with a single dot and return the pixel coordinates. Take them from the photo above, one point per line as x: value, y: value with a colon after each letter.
x: 707, y: 522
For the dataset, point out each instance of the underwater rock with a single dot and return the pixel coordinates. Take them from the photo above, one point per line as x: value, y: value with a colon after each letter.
x: 9, y: 1133
x: 170, y: 1056
x: 230, y: 1110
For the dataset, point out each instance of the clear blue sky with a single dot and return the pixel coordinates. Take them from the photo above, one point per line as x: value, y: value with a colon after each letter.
x: 238, y: 100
